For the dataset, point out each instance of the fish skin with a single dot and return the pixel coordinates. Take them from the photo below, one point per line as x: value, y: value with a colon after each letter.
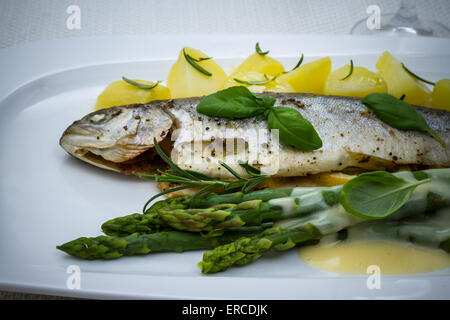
x: 352, y: 137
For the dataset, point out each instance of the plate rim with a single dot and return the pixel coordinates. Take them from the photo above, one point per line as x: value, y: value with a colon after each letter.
x: 29, y: 72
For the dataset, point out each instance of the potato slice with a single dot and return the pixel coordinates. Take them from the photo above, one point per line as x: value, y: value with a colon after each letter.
x: 256, y: 76
x: 327, y: 179
x: 399, y: 82
x: 330, y: 179
x: 308, y: 78
x: 360, y: 83
x: 262, y: 64
x: 186, y: 81
x: 440, y: 97
x: 120, y: 93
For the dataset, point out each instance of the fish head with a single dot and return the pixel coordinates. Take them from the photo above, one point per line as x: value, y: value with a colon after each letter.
x: 115, y: 137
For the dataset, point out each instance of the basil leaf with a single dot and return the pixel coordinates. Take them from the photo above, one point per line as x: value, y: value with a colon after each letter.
x: 294, y: 130
x: 398, y: 114
x: 235, y: 103
x: 238, y: 102
x: 376, y: 195
x: 265, y: 102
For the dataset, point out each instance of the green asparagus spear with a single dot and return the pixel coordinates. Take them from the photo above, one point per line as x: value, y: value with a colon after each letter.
x: 242, y: 209
x: 109, y: 247
x: 238, y: 197
x: 428, y: 231
x: 151, y: 221
x: 212, y: 219
x: 291, y: 232
x: 144, y: 223
x: 219, y: 212
x: 280, y: 237
x: 247, y: 249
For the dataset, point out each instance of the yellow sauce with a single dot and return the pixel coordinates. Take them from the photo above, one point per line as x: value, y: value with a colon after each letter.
x: 353, y: 256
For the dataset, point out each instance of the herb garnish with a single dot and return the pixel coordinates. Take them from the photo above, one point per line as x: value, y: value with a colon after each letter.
x: 140, y: 85
x: 351, y: 71
x: 299, y: 63
x: 193, y: 62
x: 398, y: 114
x: 234, y: 103
x: 256, y: 83
x: 258, y: 50
x: 238, y: 102
x: 416, y: 76
x: 376, y: 195
x: 294, y: 130
x: 191, y: 179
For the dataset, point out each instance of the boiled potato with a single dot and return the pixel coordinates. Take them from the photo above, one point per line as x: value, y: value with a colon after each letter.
x: 360, y: 83
x: 328, y: 179
x: 186, y: 81
x: 440, y: 97
x: 121, y: 93
x: 308, y: 78
x: 262, y: 64
x: 399, y: 82
x: 256, y: 76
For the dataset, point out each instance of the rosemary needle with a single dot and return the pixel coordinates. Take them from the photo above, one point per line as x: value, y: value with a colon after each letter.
x: 351, y: 71
x: 256, y: 83
x: 299, y: 63
x: 140, y: 85
x: 193, y: 62
x: 190, y: 179
x: 259, y: 51
x: 416, y: 76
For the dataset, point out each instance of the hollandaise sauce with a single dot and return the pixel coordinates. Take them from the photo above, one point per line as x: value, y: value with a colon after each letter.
x: 407, y: 247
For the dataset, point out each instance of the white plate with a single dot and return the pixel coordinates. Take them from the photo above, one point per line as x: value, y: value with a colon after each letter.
x: 48, y: 198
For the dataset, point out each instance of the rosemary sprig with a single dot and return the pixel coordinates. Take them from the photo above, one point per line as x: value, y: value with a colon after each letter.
x: 193, y: 62
x: 191, y: 179
x: 140, y: 85
x: 259, y: 51
x: 256, y: 83
x: 416, y: 76
x: 351, y: 71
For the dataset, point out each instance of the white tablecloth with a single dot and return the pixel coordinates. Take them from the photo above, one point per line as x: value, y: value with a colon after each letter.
x: 33, y: 20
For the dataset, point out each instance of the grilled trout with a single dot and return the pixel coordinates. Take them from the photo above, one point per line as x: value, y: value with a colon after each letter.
x: 122, y: 138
